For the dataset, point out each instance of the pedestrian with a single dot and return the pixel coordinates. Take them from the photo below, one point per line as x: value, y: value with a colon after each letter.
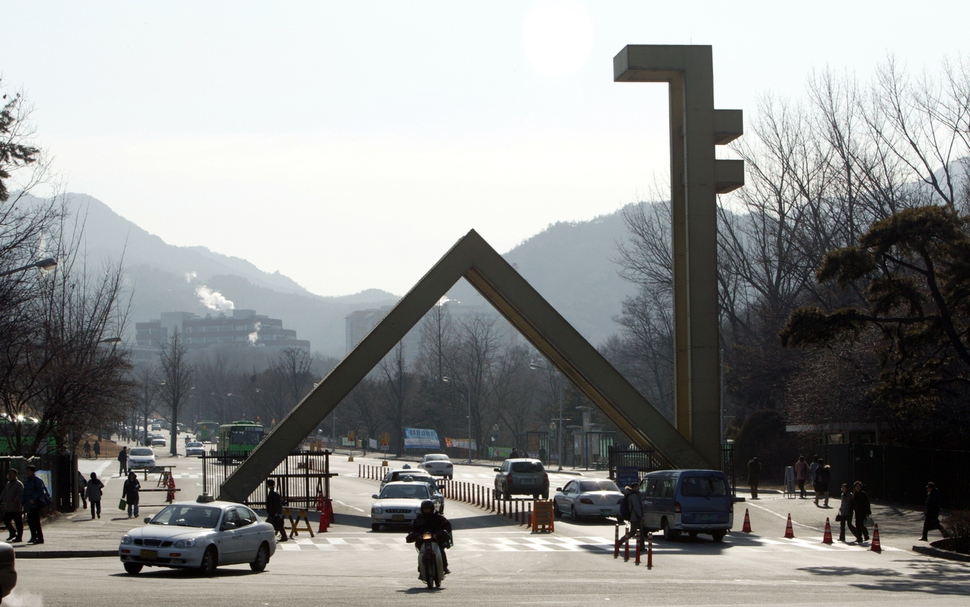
x: 274, y: 509
x: 35, y: 497
x: 634, y: 505
x: 931, y: 510
x: 844, y: 517
x: 542, y: 454
x: 87, y: 449
x: 13, y: 509
x: 97, y: 448
x: 754, y: 474
x: 129, y: 493
x: 812, y: 468
x: 801, y: 474
x: 123, y: 461
x: 82, y: 485
x: 94, y: 491
x: 863, y: 510
x: 823, y: 474
x: 514, y: 454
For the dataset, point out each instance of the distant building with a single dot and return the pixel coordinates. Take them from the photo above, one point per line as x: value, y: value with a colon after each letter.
x: 243, y: 328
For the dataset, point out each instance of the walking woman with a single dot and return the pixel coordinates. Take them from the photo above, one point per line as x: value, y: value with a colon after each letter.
x: 94, y: 490
x: 845, y: 513
x: 863, y: 509
x: 130, y: 494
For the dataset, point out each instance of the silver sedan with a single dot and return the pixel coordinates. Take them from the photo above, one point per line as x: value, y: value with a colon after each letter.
x: 592, y: 498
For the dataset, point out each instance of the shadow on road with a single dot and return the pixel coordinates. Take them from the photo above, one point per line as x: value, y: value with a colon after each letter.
x: 924, y: 576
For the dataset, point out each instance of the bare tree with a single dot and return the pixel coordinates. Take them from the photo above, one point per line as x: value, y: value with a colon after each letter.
x: 178, y: 377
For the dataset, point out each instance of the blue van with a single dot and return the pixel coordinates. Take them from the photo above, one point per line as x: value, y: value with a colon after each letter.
x: 691, y: 501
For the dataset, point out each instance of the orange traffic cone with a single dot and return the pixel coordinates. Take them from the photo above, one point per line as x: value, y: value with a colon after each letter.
x: 876, y: 547
x: 789, y: 532
x: 827, y: 537
x: 324, y: 523
x: 746, y: 528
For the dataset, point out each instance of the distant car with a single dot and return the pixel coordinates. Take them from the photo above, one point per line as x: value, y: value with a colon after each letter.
x: 438, y: 464
x: 8, y: 569
x: 398, y: 503
x: 593, y: 498
x: 141, y: 457
x: 159, y: 441
x: 194, y: 449
x: 521, y: 476
x: 190, y: 535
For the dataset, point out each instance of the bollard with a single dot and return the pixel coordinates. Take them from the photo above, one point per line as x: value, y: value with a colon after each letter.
x: 531, y: 516
x: 616, y: 541
x: 626, y: 549
x: 637, y: 559
x: 516, y: 511
x: 650, y: 551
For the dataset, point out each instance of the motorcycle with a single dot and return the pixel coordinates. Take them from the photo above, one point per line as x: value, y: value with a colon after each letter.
x: 430, y: 565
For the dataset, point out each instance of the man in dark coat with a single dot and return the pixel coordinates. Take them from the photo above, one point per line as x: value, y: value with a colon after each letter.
x: 129, y: 493
x: 754, y: 475
x: 35, y: 497
x: 931, y: 510
x: 274, y: 509
x: 13, y: 509
x: 429, y: 521
x: 123, y: 461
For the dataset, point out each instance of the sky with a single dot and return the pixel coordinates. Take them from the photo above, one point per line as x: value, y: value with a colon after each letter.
x: 349, y: 145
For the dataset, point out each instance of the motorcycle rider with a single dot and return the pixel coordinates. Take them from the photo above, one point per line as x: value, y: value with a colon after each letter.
x: 429, y: 521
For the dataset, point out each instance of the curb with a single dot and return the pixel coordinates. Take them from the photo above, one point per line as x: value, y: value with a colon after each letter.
x: 64, y: 554
x: 942, y: 554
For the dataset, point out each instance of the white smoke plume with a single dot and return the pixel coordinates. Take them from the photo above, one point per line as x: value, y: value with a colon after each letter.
x: 190, y: 276
x: 214, y: 300
x: 254, y: 336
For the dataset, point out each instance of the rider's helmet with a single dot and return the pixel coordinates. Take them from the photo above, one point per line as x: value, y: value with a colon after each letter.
x: 427, y: 506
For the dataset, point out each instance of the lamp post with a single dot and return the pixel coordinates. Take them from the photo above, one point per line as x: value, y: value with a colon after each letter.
x: 561, y: 426
x: 43, y: 264
x: 468, y: 391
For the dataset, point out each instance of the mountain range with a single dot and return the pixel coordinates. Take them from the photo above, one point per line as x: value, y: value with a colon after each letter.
x: 569, y: 263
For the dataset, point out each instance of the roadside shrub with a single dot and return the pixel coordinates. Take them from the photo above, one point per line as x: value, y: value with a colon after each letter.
x: 956, y: 526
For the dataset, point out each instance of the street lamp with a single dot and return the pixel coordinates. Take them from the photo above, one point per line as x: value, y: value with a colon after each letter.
x: 43, y: 264
x: 561, y: 427
x: 468, y: 391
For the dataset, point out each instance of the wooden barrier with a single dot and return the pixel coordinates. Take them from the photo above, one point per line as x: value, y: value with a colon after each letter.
x: 543, y: 520
x: 295, y: 522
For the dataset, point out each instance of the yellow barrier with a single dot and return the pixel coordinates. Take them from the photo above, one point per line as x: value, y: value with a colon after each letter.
x: 295, y: 523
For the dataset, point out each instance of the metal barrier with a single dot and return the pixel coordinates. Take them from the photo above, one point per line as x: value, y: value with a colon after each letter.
x: 296, y: 478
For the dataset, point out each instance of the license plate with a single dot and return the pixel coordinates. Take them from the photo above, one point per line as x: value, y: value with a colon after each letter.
x: 149, y: 555
x: 397, y: 517
x: 528, y: 481
x: 606, y: 511
x: 706, y: 518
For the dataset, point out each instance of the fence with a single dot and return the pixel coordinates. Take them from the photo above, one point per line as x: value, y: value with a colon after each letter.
x: 900, y: 474
x: 297, y: 478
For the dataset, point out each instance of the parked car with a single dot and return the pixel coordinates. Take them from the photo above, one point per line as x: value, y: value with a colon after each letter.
x: 141, y: 457
x: 398, y: 503
x: 159, y: 441
x: 522, y: 476
x: 438, y: 464
x: 190, y: 535
x: 692, y: 501
x: 592, y: 498
x: 8, y: 569
x: 194, y: 449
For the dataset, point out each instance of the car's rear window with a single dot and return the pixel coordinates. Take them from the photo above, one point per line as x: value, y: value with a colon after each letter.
x: 141, y: 451
x: 526, y: 467
x: 703, y: 486
x: 598, y: 486
x: 436, y: 458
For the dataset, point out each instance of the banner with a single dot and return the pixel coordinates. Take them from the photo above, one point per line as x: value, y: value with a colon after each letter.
x: 499, y: 452
x: 372, y: 444
x: 421, y: 438
x: 459, y: 443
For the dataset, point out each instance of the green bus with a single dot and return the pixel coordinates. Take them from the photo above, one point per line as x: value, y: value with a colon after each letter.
x: 239, y: 438
x: 207, y: 431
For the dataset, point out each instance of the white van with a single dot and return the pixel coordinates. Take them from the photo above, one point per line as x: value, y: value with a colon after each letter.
x: 691, y: 501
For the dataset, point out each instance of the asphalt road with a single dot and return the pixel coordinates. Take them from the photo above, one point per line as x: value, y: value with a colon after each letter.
x: 496, y: 562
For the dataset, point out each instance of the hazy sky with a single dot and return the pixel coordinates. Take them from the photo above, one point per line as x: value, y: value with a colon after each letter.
x: 349, y: 145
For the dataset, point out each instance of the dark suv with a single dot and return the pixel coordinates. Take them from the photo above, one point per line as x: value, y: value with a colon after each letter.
x: 521, y: 477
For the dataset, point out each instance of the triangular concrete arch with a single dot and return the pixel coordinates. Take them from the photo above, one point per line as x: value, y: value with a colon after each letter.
x: 476, y: 261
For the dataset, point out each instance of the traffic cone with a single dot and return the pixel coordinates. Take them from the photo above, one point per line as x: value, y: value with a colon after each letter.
x: 789, y: 532
x: 324, y: 523
x: 827, y: 537
x: 876, y: 547
x: 746, y: 528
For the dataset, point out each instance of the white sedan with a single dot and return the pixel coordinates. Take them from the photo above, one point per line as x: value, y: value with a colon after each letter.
x: 398, y: 503
x: 194, y: 449
x: 438, y: 464
x: 594, y: 498
x: 201, y: 536
x: 141, y: 457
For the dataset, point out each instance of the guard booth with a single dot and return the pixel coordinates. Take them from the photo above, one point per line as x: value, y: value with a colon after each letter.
x: 300, y: 478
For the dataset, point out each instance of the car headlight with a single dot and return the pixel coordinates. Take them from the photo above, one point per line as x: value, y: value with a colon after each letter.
x: 184, y: 544
x: 376, y: 510
x: 125, y: 539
